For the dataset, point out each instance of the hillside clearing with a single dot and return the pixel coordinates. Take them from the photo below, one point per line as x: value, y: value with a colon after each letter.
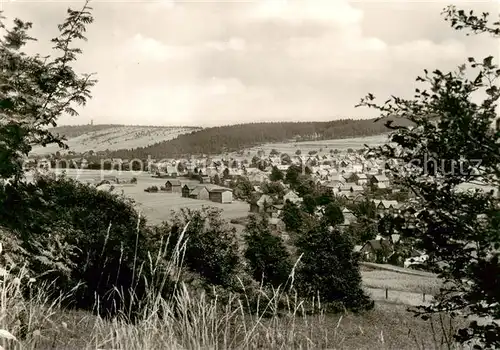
x: 113, y: 138
x: 325, y: 145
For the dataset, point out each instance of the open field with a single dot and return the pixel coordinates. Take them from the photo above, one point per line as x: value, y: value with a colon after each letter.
x: 114, y: 138
x: 400, y: 281
x: 398, y: 297
x: 404, y: 286
x: 157, y: 207
x: 326, y: 145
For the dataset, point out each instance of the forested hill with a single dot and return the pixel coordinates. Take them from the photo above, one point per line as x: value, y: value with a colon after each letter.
x: 231, y: 138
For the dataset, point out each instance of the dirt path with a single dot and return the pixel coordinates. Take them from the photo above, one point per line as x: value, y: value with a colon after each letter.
x: 397, y: 269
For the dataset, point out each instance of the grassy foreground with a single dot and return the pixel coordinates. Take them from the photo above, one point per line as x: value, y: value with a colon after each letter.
x: 189, y: 319
x: 195, y: 322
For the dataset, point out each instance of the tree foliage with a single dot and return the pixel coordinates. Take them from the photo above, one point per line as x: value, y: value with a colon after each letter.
x: 274, y: 189
x: 267, y: 257
x: 453, y: 145
x: 276, y: 174
x: 333, y: 214
x: 36, y: 90
x: 292, y: 216
x: 212, y: 246
x: 76, y: 235
x: 330, y: 269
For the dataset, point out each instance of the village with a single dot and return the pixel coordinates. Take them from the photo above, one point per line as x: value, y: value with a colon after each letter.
x: 351, y: 175
x: 348, y: 175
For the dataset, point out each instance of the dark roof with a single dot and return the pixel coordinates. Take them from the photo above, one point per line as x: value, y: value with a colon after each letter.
x: 379, y: 244
x: 190, y: 185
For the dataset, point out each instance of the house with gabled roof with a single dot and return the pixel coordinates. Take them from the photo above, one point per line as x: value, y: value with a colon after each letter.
x: 358, y: 178
x: 256, y: 175
x: 376, y: 250
x: 332, y: 186
x: 173, y: 185
x: 348, y: 214
x: 276, y: 210
x: 199, y: 192
x: 357, y: 167
x: 261, y: 204
x: 171, y: 171
x: 219, y: 194
x: 187, y: 188
x: 344, y: 163
x: 346, y: 176
x: 385, y: 206
x: 292, y: 196
x: 381, y: 186
x: 356, y: 188
x: 378, y: 179
x: 276, y: 224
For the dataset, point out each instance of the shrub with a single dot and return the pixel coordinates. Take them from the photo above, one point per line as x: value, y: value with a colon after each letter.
x: 266, y: 254
x: 292, y: 217
x: 329, y: 268
x: 152, y: 189
x: 212, y: 246
x: 76, y: 236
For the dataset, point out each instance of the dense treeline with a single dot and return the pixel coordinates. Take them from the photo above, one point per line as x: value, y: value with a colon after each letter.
x: 236, y: 137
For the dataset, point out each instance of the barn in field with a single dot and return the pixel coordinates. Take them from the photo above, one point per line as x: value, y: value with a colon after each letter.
x: 199, y: 192
x: 187, y: 188
x: 173, y: 185
x: 220, y: 194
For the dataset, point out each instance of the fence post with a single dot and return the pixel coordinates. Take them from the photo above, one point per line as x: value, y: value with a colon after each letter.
x: 423, y: 294
x: 387, y: 293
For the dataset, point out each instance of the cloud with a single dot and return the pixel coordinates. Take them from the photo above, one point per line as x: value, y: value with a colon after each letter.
x: 207, y: 63
x: 144, y: 48
x: 236, y: 44
x: 318, y: 11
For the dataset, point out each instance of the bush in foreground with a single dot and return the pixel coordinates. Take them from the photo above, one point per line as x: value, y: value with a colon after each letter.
x: 77, y: 237
x: 266, y: 254
x: 330, y: 270
x: 188, y: 319
x: 212, y: 248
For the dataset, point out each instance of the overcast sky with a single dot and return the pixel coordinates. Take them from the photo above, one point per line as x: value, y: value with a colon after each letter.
x: 225, y: 62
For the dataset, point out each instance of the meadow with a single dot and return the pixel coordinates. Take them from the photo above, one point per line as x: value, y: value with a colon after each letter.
x: 113, y: 137
x: 325, y: 145
x: 157, y: 207
x: 190, y: 320
x: 404, y: 280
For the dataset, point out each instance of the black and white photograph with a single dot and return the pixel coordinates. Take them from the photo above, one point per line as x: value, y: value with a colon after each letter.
x: 249, y: 174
